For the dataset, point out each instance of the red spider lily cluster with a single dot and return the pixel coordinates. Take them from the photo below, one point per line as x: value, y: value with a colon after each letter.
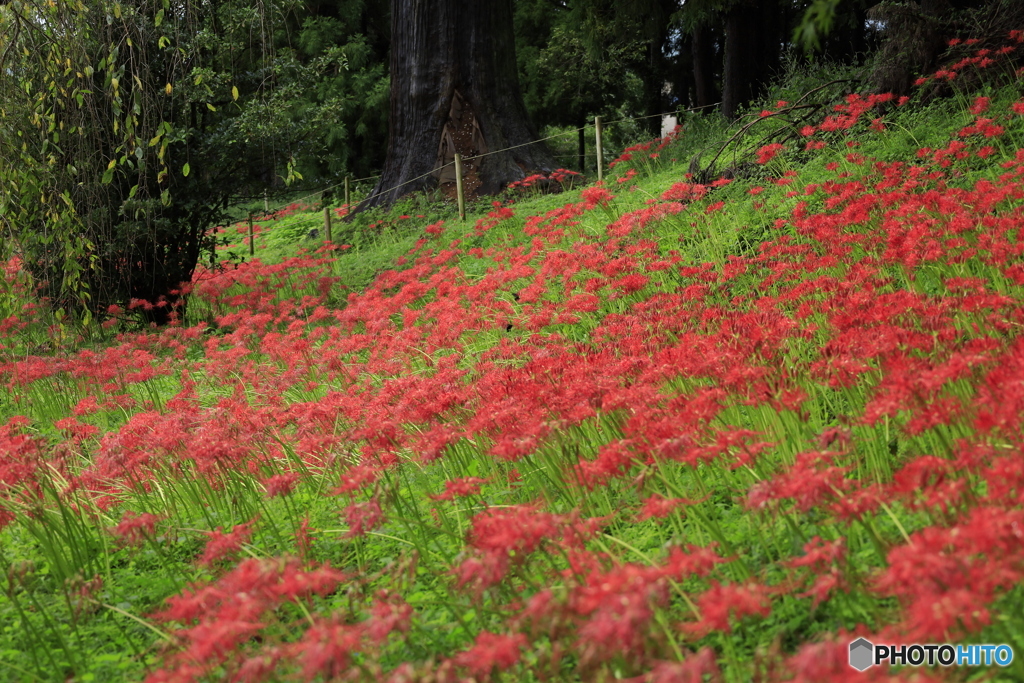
x: 564, y: 177
x: 982, y: 58
x: 643, y: 150
x: 852, y: 386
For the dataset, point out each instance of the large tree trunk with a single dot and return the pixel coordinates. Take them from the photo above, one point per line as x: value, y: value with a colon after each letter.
x: 738, y: 70
x: 454, y: 88
x: 703, y: 47
x: 752, y: 49
x: 654, y: 91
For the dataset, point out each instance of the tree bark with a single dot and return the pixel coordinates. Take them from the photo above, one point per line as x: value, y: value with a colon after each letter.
x: 752, y: 50
x: 455, y: 88
x: 736, y: 72
x: 703, y: 67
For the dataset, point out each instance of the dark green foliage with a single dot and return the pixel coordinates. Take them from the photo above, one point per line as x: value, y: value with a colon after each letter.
x: 340, y: 51
x: 121, y: 149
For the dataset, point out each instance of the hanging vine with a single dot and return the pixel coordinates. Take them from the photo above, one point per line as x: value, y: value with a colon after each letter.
x: 126, y: 131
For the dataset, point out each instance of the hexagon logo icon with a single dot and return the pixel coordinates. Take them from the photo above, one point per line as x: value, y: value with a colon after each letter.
x: 861, y: 652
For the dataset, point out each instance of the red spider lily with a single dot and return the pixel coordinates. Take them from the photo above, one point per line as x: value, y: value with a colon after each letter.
x: 460, y: 488
x: 768, y: 152
x: 819, y: 554
x: 596, y: 196
x: 491, y: 652
x: 696, y: 668
x: 685, y: 192
x: 724, y: 601
x: 481, y: 571
x: 327, y: 647
x: 613, y: 461
x: 947, y: 576
x: 614, y: 609
x: 134, y: 529
x: 389, y: 614
x: 23, y: 453
x: 823, y: 558
x: 812, y: 481
x: 627, y: 176
x: 260, y: 667
x: 356, y: 478
x: 229, y: 611
x: 87, y: 406
x: 363, y: 517
x: 280, y: 484
x: 520, y: 529
x: 657, y: 506
x: 225, y: 545
x: 78, y: 431
x: 493, y: 218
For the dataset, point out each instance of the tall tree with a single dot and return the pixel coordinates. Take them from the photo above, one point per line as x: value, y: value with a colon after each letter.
x: 567, y: 77
x: 454, y: 88
x: 641, y: 21
x: 705, y: 87
x: 340, y: 49
x: 753, y: 50
x: 127, y: 128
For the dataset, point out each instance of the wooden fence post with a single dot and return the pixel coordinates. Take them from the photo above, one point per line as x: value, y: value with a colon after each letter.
x: 252, y: 238
x: 327, y: 223
x: 348, y: 200
x: 458, y: 186
x: 600, y: 150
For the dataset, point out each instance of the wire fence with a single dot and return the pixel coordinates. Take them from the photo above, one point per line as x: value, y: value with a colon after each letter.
x: 573, y: 131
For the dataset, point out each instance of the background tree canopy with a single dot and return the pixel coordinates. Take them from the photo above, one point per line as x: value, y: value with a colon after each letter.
x: 129, y: 129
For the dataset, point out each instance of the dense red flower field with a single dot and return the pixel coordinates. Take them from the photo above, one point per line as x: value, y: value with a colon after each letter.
x: 713, y: 431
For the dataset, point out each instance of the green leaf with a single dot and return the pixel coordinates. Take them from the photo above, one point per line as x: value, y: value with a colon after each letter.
x: 158, y: 19
x: 816, y: 24
x: 185, y: 170
x: 234, y: 93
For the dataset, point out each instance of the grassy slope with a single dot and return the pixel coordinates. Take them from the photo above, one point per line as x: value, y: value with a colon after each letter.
x: 648, y: 405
